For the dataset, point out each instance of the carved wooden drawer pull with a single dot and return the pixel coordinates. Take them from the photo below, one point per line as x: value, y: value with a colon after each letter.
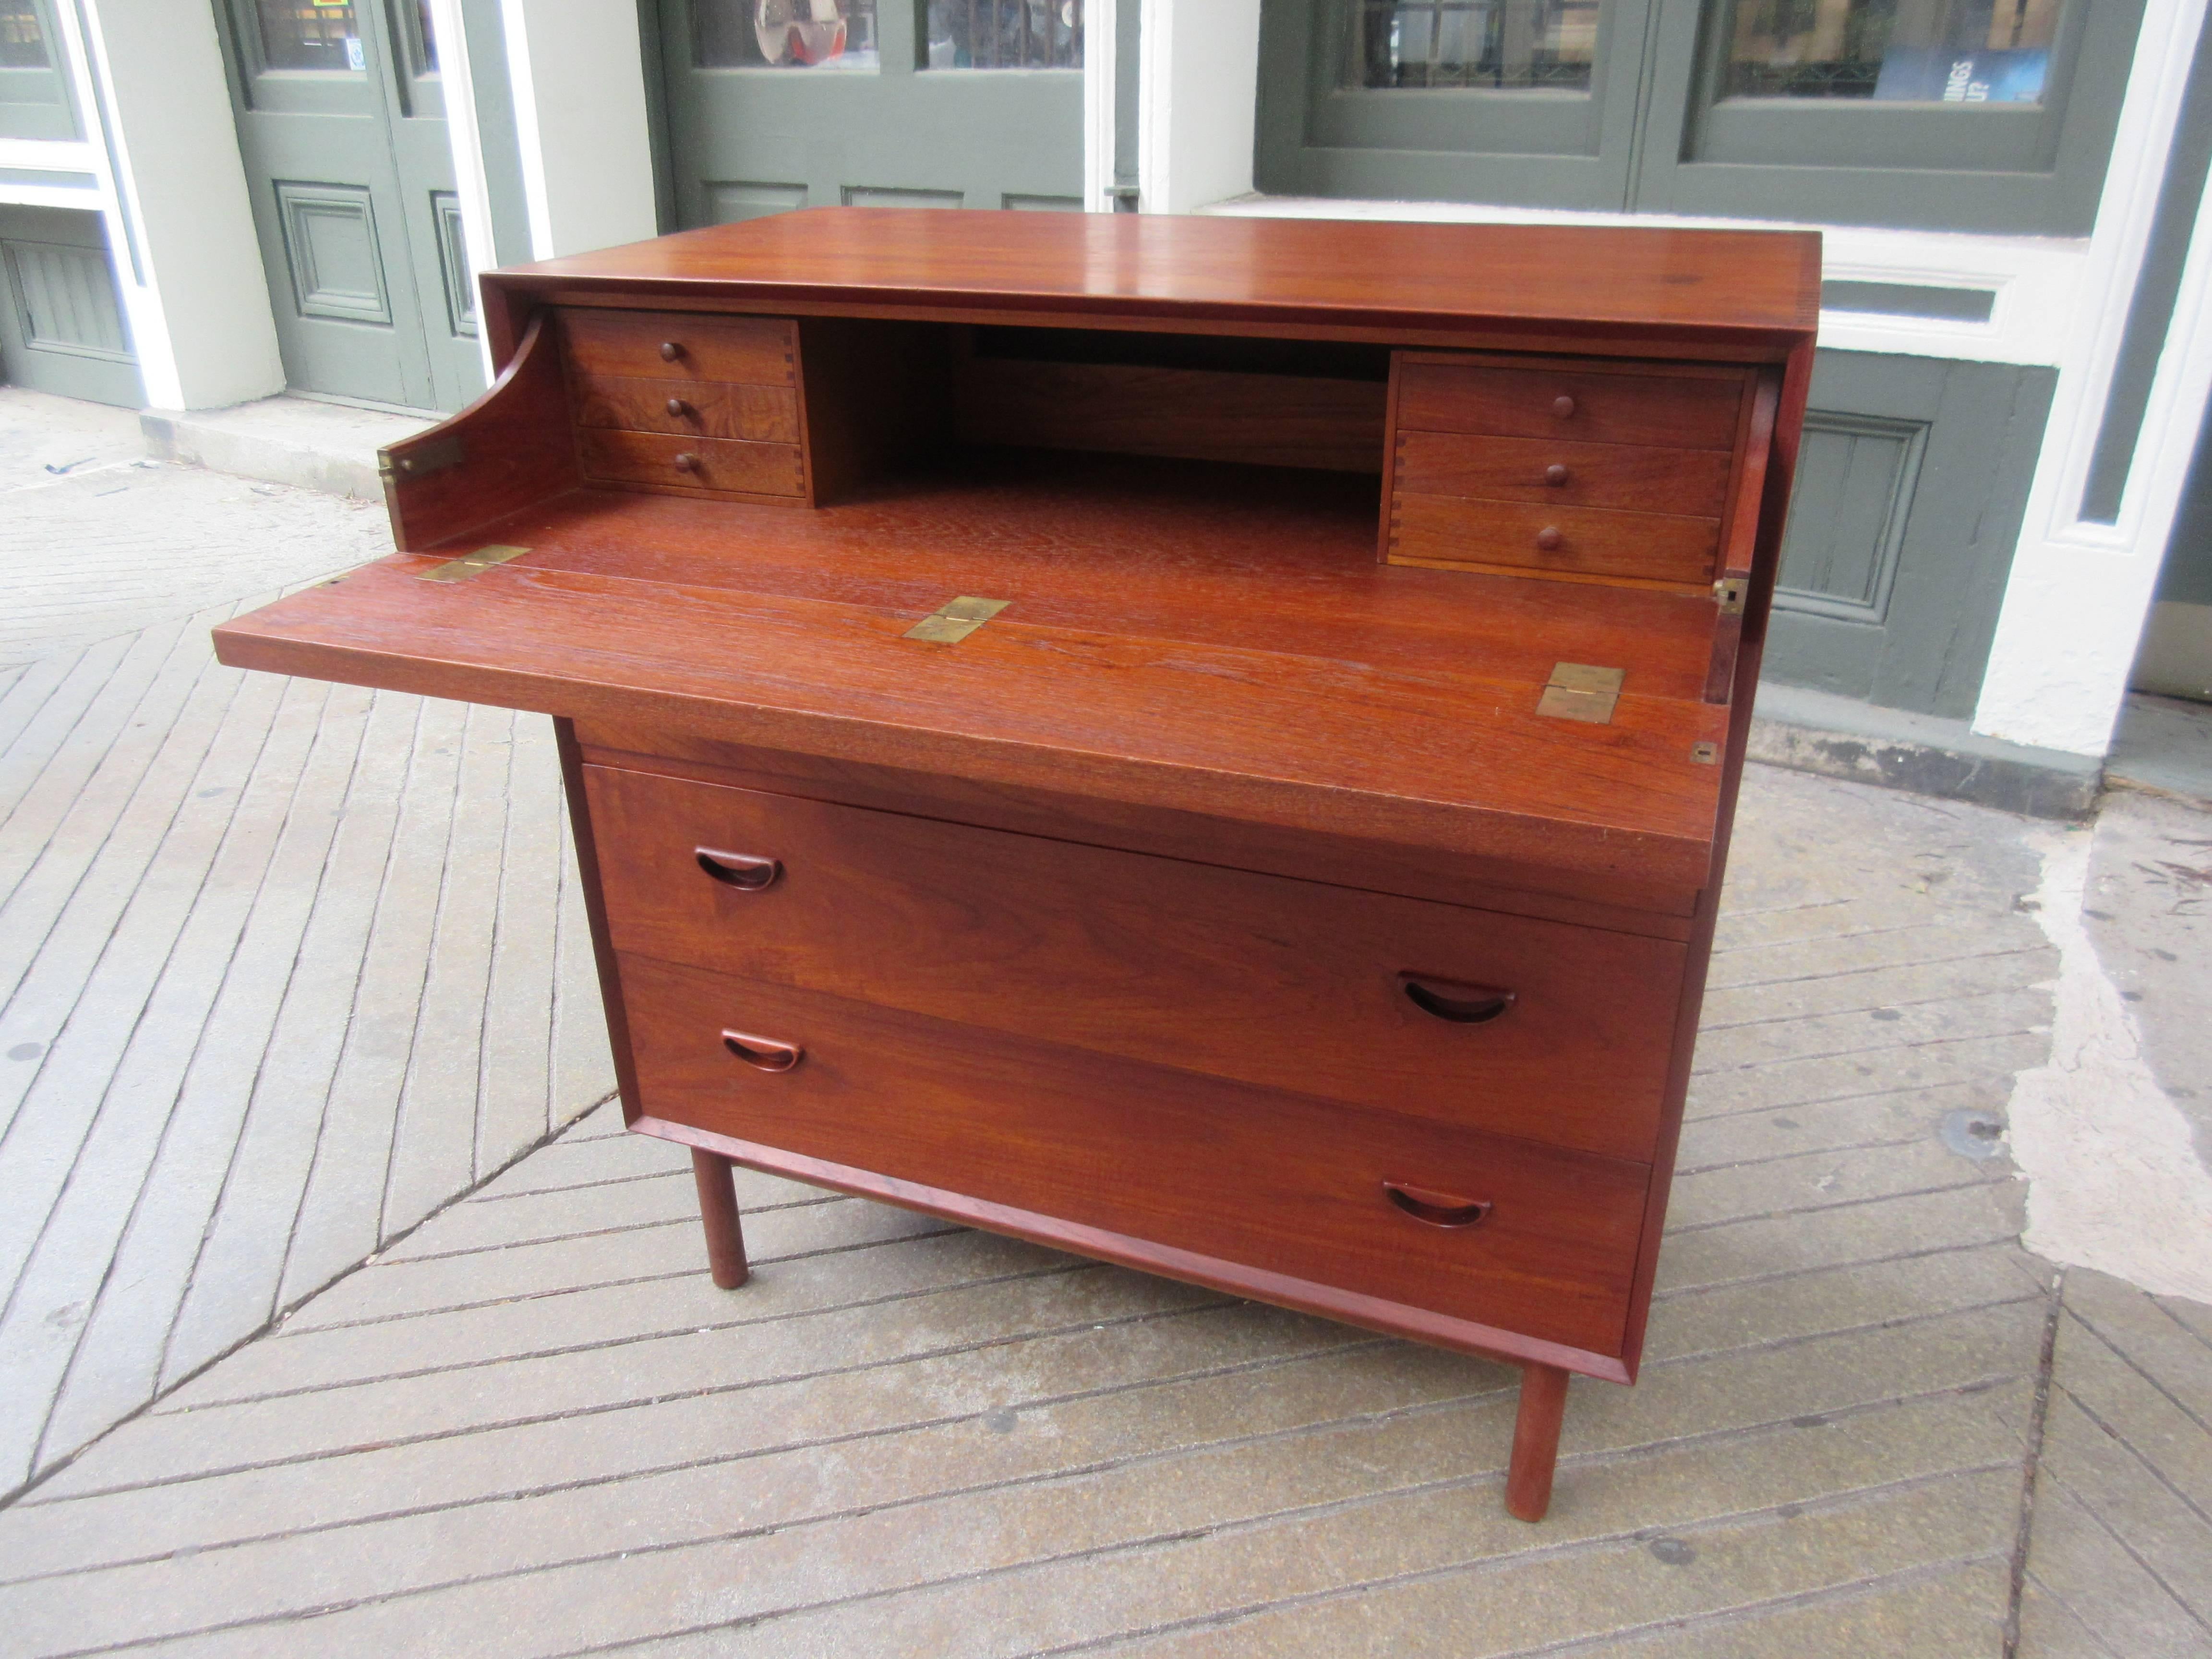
x: 687, y: 462
x: 764, y: 1053
x: 678, y: 408
x: 1548, y: 538
x: 1438, y: 1209
x: 1463, y: 1004
x: 1561, y: 407
x: 739, y: 869
x: 1554, y: 475
x: 669, y: 351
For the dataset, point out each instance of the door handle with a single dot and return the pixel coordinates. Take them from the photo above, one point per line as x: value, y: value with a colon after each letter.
x: 739, y: 869
x: 1463, y: 1004
x: 1435, y: 1208
x: 765, y: 1053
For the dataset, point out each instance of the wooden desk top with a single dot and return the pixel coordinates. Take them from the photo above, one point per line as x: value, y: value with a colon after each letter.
x: 1219, y: 640
x: 1759, y: 289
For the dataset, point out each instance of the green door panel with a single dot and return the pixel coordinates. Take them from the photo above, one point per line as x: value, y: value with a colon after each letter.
x: 1910, y: 491
x: 62, y: 327
x: 1364, y: 98
x: 916, y: 108
x: 341, y: 122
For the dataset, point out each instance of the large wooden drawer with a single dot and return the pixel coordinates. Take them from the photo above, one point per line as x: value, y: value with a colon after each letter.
x: 1277, y: 982
x: 1274, y: 1183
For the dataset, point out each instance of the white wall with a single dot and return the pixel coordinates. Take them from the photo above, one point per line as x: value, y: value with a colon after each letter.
x: 196, y: 301
x: 1196, y: 100
x: 579, y: 80
x: 2075, y: 605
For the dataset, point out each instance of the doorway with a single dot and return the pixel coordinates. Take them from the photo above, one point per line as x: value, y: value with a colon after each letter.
x: 781, y: 104
x: 341, y: 124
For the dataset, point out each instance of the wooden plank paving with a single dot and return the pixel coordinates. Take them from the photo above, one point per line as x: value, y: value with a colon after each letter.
x: 534, y: 1427
x: 283, y: 966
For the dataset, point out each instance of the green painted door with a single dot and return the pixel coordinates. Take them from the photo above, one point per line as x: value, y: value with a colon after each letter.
x: 780, y: 104
x: 342, y: 122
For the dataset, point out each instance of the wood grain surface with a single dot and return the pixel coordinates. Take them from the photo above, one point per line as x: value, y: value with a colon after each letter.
x: 1380, y: 714
x: 1548, y: 472
x: 1285, y: 984
x: 1587, y: 541
x: 751, y: 350
x: 704, y: 409
x: 665, y: 461
x: 1760, y: 289
x: 1587, y: 405
x: 1283, y: 1184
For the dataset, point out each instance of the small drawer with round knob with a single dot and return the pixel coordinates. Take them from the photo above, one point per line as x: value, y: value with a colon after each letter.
x: 681, y: 346
x: 724, y: 466
x: 1559, y: 472
x: 708, y: 409
x: 1691, y: 407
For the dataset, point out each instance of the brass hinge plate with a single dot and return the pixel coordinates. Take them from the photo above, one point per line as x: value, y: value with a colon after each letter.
x: 1578, y: 691
x: 1728, y: 593
x: 470, y: 564
x: 425, y: 455
x: 956, y: 619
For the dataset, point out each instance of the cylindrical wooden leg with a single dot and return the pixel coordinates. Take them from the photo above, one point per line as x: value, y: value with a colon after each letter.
x: 1535, y: 1442
x: 718, y: 1211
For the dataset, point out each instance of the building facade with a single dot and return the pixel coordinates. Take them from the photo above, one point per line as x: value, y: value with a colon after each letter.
x: 203, y: 201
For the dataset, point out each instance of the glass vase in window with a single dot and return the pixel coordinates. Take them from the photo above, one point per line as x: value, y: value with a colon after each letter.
x: 1491, y: 46
x: 788, y: 34
x: 1956, y: 53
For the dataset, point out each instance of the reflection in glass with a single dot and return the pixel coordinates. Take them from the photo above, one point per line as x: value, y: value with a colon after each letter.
x: 429, y: 37
x: 22, y: 39
x: 1006, y: 34
x: 304, y: 34
x: 1935, y: 52
x: 1499, y: 45
x: 783, y: 34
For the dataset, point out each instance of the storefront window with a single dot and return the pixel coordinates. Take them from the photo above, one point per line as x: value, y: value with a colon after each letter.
x: 309, y: 35
x: 22, y: 38
x: 821, y: 34
x: 1005, y: 34
x: 1489, y: 45
x: 1955, y: 52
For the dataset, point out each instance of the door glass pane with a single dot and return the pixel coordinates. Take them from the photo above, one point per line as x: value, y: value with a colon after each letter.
x: 308, y: 34
x: 1932, y: 51
x: 1508, y: 45
x: 1006, y: 34
x: 22, y: 40
x: 821, y: 34
x: 426, y: 40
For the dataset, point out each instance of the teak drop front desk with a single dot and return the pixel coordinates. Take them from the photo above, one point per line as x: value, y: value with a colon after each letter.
x: 1207, y: 743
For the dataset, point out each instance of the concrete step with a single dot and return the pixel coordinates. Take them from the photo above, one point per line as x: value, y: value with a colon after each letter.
x: 300, y: 442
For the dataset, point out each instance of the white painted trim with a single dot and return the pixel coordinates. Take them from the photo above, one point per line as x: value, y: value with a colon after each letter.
x: 456, y: 80
x: 2074, y: 607
x: 1197, y: 100
x: 2176, y: 657
x: 1101, y: 47
x: 578, y: 73
x: 198, y: 302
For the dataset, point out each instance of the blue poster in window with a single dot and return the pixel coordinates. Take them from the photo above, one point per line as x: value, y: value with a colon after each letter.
x: 1939, y: 75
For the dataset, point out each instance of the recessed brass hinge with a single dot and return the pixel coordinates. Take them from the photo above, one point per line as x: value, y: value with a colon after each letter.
x: 956, y: 619
x: 1728, y: 591
x: 427, y: 455
x: 1580, y: 692
x: 469, y: 564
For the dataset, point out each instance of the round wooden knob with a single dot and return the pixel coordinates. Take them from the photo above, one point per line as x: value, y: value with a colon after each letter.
x: 1550, y: 539
x: 669, y: 351
x: 687, y: 462
x: 1561, y: 407
x: 1553, y: 476
x: 678, y: 407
